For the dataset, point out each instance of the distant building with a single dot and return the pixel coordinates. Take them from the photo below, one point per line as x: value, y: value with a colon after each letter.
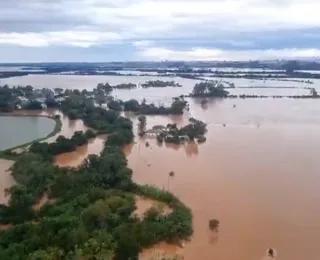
x: 22, y: 101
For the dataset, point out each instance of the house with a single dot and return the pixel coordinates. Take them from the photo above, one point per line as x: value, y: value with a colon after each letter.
x: 22, y: 101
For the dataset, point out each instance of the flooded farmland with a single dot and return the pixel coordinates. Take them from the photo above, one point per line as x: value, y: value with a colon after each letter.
x: 258, y: 175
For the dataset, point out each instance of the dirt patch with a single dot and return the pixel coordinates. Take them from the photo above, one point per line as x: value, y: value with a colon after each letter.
x: 143, y: 204
x: 44, y: 199
x: 6, y: 179
x: 5, y: 226
x: 162, y: 251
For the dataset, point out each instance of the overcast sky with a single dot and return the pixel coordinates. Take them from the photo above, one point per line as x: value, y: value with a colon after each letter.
x: 120, y: 30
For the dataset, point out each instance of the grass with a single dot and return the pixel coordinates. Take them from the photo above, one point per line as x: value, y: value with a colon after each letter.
x: 9, y: 155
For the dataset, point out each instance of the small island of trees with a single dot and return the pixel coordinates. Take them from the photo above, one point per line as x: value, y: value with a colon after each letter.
x: 209, y: 89
x: 160, y: 84
x: 172, y: 134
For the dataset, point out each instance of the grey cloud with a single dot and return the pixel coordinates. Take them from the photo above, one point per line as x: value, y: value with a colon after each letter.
x: 38, y: 16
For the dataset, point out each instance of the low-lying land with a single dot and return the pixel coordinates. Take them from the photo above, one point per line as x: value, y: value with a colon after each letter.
x: 91, y: 209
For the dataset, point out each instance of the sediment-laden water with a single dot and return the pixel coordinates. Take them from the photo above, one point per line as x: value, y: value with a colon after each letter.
x: 258, y: 175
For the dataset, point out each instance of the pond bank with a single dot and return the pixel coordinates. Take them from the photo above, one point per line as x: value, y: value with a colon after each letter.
x: 7, y: 153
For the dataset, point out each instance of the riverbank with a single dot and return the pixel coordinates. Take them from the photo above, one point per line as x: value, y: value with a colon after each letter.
x: 10, y: 153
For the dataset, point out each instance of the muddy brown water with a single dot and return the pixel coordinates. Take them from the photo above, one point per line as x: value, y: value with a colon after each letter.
x: 259, y: 175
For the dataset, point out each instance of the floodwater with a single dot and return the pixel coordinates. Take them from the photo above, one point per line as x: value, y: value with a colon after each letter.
x: 258, y: 175
x: 74, y: 159
x: 160, y: 95
x: 68, y: 126
x: 16, y: 130
x: 67, y: 129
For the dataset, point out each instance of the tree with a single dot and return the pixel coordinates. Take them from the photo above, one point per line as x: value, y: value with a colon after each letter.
x: 214, y: 224
x: 142, y: 124
x: 178, y: 106
x: 89, y: 134
x: 79, y: 138
x: 34, y: 105
x: 115, y: 105
x: 131, y: 105
x: 171, y: 175
x: 209, y: 89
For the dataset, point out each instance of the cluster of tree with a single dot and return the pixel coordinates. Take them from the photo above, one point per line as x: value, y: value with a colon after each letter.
x: 104, y: 87
x: 92, y: 216
x: 62, y: 144
x: 27, y: 98
x: 160, y: 84
x: 194, y: 130
x: 209, y: 89
x: 176, y: 108
x: 10, y: 74
x: 142, y: 125
x: 107, y: 88
x: 125, y: 86
x: 9, y: 97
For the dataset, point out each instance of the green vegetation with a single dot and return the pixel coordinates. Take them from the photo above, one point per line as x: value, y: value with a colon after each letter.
x: 209, y: 89
x: 160, y: 84
x: 125, y: 86
x: 194, y: 130
x: 176, y: 108
x: 142, y: 125
x: 106, y: 87
x: 61, y: 145
x: 92, y: 215
x: 9, y: 97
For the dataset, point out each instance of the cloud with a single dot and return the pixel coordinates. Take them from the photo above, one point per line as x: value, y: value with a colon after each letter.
x: 73, y: 38
x: 143, y: 26
x: 219, y: 54
x: 142, y: 43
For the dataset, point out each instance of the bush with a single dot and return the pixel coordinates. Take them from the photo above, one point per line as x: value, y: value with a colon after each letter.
x: 214, y: 224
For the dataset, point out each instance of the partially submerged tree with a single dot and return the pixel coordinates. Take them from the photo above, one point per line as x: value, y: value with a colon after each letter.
x: 214, y: 224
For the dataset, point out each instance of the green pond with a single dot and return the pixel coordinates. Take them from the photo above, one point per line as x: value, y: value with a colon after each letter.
x: 17, y: 130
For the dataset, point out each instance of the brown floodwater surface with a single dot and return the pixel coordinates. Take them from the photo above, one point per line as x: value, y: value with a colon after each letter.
x: 74, y: 159
x: 258, y: 175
